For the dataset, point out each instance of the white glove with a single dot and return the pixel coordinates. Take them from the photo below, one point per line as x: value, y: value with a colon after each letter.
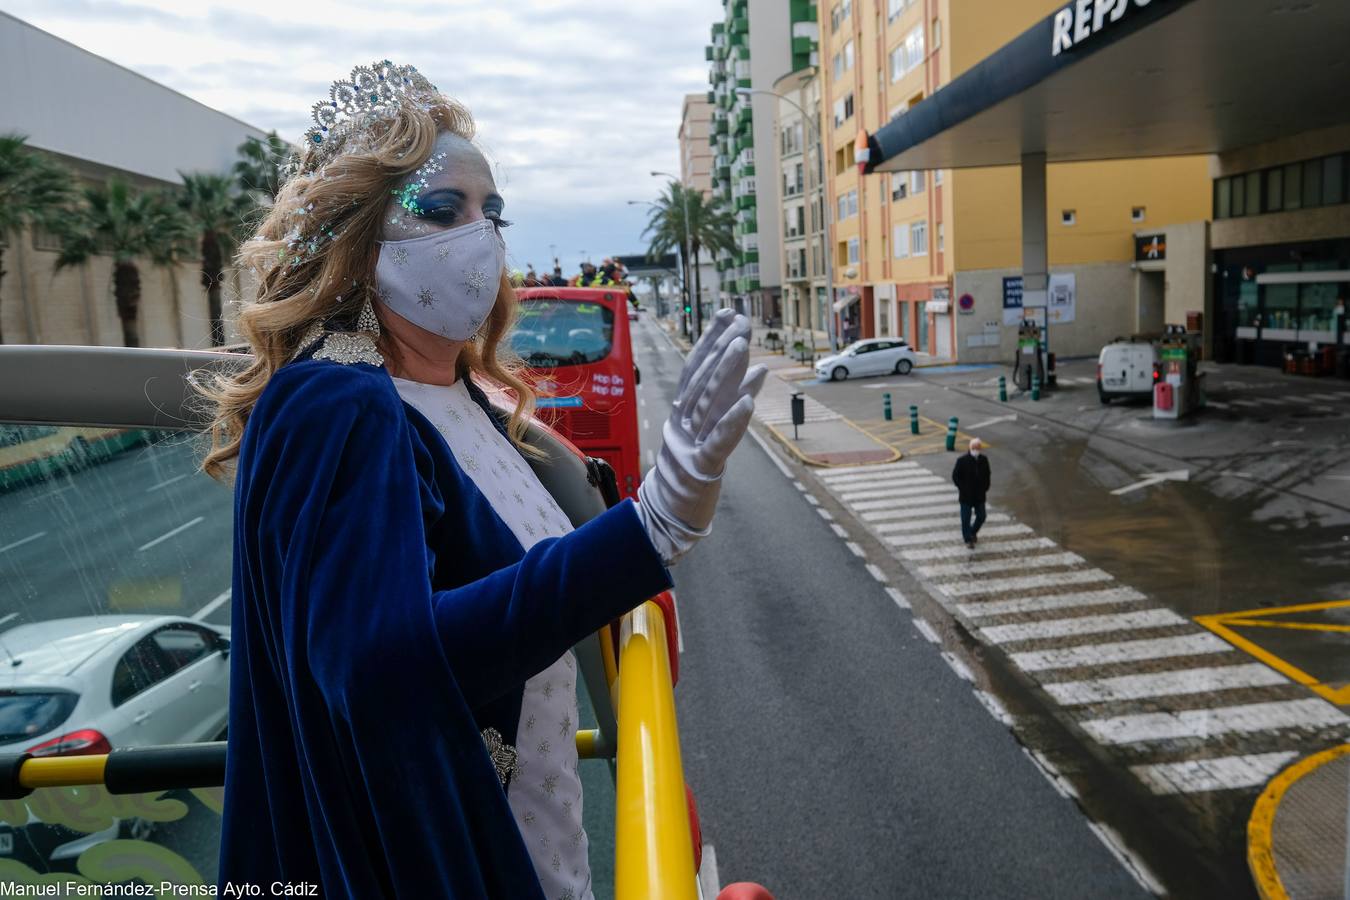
x: 713, y: 405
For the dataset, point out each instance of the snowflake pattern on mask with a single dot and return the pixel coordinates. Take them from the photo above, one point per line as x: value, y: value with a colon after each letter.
x: 426, y: 297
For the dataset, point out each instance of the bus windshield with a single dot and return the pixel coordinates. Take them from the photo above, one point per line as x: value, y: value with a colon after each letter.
x: 552, y: 332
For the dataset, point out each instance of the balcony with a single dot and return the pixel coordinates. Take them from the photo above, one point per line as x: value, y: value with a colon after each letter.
x: 708, y: 53
x: 740, y: 25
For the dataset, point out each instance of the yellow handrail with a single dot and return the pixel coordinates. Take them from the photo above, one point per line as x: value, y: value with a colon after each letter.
x: 653, y: 848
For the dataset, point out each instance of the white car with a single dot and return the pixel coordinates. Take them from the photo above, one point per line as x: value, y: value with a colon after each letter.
x: 874, y: 356
x: 91, y: 683
x: 1127, y: 368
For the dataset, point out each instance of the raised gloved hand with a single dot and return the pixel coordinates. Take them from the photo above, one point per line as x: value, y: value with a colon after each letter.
x: 713, y: 405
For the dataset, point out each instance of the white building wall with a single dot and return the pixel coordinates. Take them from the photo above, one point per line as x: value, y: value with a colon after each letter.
x: 770, y: 58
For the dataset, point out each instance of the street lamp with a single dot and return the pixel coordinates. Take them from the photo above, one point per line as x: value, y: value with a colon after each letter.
x: 697, y: 302
x: 816, y: 132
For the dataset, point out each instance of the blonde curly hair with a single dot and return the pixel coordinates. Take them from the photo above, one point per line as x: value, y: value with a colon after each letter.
x: 314, y: 256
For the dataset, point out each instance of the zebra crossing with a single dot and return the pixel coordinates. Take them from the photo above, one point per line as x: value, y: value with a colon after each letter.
x: 1186, y: 712
x: 773, y: 406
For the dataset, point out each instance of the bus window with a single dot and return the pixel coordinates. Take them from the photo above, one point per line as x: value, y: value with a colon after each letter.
x: 562, y: 333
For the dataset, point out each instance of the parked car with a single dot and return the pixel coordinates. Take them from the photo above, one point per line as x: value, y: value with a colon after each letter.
x: 873, y: 356
x: 85, y: 685
x: 1127, y: 368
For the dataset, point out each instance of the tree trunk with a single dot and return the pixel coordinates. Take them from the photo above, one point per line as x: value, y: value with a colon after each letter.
x: 213, y: 275
x: 684, y: 282
x: 127, y: 293
x: 2, y: 279
x: 698, y: 295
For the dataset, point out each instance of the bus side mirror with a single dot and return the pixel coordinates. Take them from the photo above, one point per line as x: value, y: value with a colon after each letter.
x: 637, y: 375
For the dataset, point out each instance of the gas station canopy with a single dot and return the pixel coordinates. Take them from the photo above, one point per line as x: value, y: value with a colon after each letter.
x: 1108, y: 79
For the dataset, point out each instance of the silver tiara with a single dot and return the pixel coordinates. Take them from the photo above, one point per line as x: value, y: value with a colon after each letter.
x: 372, y: 91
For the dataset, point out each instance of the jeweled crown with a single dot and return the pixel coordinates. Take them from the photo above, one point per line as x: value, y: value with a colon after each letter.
x: 372, y: 91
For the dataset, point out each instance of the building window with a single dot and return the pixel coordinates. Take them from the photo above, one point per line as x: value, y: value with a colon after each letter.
x: 848, y: 56
x: 937, y: 177
x: 852, y: 250
x: 848, y: 205
x: 918, y: 239
x: 1068, y: 217
x: 834, y: 19
x: 941, y: 243
x: 1299, y: 185
x: 919, y: 179
x: 837, y: 65
x: 908, y: 54
x: 900, y: 241
x: 893, y: 9
x: 843, y: 109
x: 937, y: 33
x: 798, y: 171
x: 1137, y: 214
x: 899, y: 185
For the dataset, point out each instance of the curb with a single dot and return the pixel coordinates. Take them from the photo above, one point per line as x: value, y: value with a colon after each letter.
x: 1260, y: 827
x: 805, y: 459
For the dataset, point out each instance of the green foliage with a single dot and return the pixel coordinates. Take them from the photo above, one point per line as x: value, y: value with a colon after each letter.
x: 126, y: 224
x: 34, y: 190
x: 709, y: 225
x: 257, y: 169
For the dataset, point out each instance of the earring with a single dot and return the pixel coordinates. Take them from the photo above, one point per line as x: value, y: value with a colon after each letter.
x: 367, y: 321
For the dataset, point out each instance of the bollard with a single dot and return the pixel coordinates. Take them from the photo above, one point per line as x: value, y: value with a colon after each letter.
x: 886, y: 406
x: 951, y: 433
x: 913, y: 420
x: 1002, y: 389
x: 1035, y: 387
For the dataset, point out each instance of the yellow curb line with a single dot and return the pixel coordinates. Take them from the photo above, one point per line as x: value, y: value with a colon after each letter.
x: 806, y: 460
x: 1260, y: 852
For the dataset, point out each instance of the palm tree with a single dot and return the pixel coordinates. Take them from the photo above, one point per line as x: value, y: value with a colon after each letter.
x: 130, y: 225
x: 257, y: 169
x: 219, y: 215
x: 709, y: 227
x: 34, y: 190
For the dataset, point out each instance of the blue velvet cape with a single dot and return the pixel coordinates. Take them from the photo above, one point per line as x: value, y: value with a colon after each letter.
x: 381, y: 613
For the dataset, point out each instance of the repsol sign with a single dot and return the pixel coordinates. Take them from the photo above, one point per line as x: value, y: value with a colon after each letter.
x: 1081, y: 19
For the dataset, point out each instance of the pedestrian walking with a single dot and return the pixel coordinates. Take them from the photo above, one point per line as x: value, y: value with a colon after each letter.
x: 971, y: 477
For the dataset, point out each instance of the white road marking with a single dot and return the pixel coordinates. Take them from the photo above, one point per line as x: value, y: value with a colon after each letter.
x: 934, y: 487
x: 163, y: 484
x: 1053, y: 601
x: 646, y: 425
x: 1011, y: 417
x: 1014, y: 563
x: 1206, y: 723
x: 1116, y: 844
x: 812, y: 500
x: 772, y: 454
x: 1152, y: 479
x: 898, y: 479
x: 1193, y: 776
x: 899, y: 598
x: 651, y: 457
x: 1215, y: 404
x: 1023, y: 582
x: 957, y: 666
x: 875, y: 572
x: 854, y: 549
x: 1053, y: 628
x: 708, y: 877
x: 911, y: 512
x: 995, y: 707
x: 211, y: 607
x: 9, y: 618
x: 21, y: 541
x: 834, y: 476
x: 1057, y: 781
x: 164, y: 537
x: 937, y: 522
x: 1244, y: 403
x: 932, y: 496
x: 926, y: 630
x: 825, y: 514
x: 838, y: 530
x: 799, y: 486
x: 1164, y: 684
x: 994, y: 549
x: 1122, y: 651
x: 938, y: 537
x: 642, y: 402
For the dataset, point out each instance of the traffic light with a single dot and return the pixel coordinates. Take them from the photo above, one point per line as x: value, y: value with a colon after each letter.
x: 688, y: 309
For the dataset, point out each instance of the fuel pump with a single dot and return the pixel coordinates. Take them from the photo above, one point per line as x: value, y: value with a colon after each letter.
x: 1030, y: 359
x: 1176, y: 389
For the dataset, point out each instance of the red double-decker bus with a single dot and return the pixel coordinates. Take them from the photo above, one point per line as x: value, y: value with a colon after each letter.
x: 577, y: 346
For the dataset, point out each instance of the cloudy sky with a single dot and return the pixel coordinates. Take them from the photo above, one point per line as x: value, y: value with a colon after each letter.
x: 576, y: 100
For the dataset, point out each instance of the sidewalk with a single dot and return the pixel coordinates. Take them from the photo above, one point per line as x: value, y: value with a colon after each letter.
x: 1296, y: 839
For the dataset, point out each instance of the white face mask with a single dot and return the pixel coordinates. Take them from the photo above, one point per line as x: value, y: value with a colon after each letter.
x: 446, y: 282
x: 975, y: 453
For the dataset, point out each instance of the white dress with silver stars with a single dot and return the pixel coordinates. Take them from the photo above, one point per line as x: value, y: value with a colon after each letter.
x: 545, y: 792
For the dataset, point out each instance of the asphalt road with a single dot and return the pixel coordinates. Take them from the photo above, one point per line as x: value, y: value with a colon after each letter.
x: 833, y: 751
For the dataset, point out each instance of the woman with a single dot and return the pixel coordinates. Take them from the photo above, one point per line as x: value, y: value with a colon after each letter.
x: 403, y: 704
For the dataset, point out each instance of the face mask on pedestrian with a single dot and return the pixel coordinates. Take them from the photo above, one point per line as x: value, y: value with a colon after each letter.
x: 445, y: 282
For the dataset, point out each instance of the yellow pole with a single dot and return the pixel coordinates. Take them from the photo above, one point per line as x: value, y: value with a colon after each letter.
x: 62, y: 771
x: 654, y: 852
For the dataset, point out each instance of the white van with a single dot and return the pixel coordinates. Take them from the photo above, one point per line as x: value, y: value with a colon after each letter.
x: 1125, y: 368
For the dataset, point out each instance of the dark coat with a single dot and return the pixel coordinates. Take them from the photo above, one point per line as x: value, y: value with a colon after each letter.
x: 971, y: 477
x: 381, y: 609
